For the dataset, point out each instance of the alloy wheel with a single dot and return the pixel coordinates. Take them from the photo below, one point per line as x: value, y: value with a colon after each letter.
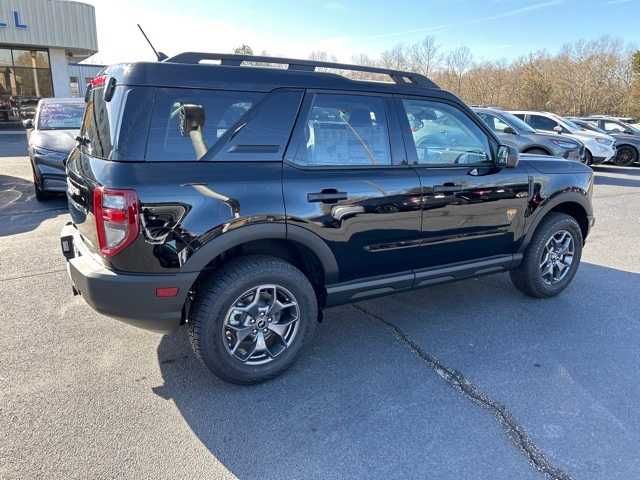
x: 557, y: 257
x: 261, y: 324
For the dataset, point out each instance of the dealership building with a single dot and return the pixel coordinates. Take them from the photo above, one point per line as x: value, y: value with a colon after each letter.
x: 42, y: 43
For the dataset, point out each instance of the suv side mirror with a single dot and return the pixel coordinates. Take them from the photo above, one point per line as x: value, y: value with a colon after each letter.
x: 509, y: 130
x: 558, y: 129
x: 508, y: 156
x: 28, y: 123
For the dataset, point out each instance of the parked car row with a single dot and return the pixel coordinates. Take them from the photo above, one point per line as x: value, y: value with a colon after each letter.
x: 593, y: 140
x: 627, y: 136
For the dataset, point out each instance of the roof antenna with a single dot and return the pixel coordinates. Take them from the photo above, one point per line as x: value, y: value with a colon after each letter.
x: 159, y: 55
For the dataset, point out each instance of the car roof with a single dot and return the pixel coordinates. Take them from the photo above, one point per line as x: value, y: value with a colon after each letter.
x: 185, y: 71
x: 488, y: 109
x: 531, y: 112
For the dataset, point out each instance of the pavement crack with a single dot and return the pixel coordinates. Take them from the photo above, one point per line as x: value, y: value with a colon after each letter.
x: 33, y: 212
x: 29, y: 275
x: 516, y: 432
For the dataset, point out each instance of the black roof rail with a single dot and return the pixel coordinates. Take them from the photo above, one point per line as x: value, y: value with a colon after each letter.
x: 228, y: 59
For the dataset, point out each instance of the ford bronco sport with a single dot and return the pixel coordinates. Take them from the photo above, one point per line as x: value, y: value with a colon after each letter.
x: 242, y: 200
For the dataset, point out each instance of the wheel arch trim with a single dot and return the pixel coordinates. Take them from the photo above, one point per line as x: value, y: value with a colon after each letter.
x: 266, y: 231
x: 561, y: 198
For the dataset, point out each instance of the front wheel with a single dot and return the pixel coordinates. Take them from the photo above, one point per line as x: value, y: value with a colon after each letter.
x: 251, y: 318
x: 588, y: 158
x: 551, y: 259
x: 41, y: 195
x: 626, y: 156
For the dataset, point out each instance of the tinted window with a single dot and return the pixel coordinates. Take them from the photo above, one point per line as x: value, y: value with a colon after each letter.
x: 222, y: 110
x: 266, y: 132
x: 345, y: 130
x: 494, y: 123
x: 98, y: 125
x: 60, y: 116
x: 613, y: 127
x: 542, y: 123
x: 444, y: 135
x: 517, y: 122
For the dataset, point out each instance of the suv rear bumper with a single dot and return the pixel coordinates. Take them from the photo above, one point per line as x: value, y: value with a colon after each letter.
x: 130, y: 298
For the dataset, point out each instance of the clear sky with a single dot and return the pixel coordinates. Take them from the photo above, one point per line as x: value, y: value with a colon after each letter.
x: 492, y: 29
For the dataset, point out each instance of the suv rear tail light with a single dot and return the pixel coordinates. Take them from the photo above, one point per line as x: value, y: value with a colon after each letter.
x: 117, y: 219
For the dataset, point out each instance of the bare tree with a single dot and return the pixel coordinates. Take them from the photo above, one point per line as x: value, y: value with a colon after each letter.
x: 243, y: 49
x: 458, y: 62
x: 395, y: 58
x: 584, y: 77
x: 424, y: 57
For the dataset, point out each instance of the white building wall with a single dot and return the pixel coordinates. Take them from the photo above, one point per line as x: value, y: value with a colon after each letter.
x: 59, y: 72
x: 83, y: 73
x: 50, y: 23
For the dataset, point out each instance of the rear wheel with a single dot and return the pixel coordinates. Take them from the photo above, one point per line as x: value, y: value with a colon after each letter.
x: 626, y: 156
x: 551, y: 259
x: 250, y: 320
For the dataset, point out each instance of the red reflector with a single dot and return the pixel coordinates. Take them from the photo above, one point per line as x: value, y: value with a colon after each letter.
x: 167, y: 292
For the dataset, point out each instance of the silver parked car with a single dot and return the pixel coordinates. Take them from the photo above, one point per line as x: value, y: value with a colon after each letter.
x: 54, y: 129
x: 627, y: 137
x: 513, y: 131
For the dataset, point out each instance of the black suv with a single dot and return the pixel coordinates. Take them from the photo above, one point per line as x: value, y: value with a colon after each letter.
x: 242, y: 200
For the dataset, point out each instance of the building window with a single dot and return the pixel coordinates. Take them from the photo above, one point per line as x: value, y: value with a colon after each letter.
x: 25, y: 77
x: 74, y: 86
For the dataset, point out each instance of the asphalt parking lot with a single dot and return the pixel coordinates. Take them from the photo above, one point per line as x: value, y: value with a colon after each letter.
x: 462, y: 381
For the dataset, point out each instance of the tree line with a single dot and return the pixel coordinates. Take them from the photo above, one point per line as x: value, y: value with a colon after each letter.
x: 599, y: 76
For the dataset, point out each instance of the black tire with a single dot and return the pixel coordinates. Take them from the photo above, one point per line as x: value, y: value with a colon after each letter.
x: 588, y: 158
x: 537, y: 151
x: 528, y: 277
x: 626, y: 156
x: 215, y: 297
x: 41, y: 195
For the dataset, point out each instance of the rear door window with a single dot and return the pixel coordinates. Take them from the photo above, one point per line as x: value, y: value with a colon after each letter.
x: 542, y: 123
x: 613, y: 127
x: 344, y: 130
x: 219, y: 112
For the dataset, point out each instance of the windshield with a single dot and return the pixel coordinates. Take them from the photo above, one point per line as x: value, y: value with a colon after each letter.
x: 60, y: 116
x: 520, y: 125
x: 588, y: 126
x: 568, y: 124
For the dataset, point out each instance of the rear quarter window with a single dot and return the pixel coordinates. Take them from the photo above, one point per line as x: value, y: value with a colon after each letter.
x: 222, y: 111
x: 117, y: 129
x: 98, y: 126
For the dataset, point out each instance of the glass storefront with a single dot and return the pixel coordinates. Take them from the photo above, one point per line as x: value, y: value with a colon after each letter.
x: 25, y: 77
